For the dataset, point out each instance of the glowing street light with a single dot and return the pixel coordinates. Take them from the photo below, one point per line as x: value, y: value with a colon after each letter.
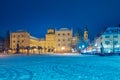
x: 63, y: 48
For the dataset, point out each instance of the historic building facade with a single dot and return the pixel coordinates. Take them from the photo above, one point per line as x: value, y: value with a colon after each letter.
x: 55, y: 41
x: 50, y: 40
x: 21, y: 38
x: 110, y: 40
x: 63, y: 40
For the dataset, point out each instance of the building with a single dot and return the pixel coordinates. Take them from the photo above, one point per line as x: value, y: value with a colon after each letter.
x: 34, y: 43
x: 63, y: 39
x: 42, y: 43
x: 55, y: 41
x: 86, y: 33
x: 110, y: 40
x: 2, y: 44
x: 97, y: 45
x: 20, y: 38
x: 50, y: 40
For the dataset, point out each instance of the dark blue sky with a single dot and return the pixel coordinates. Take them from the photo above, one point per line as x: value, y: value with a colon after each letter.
x: 36, y: 16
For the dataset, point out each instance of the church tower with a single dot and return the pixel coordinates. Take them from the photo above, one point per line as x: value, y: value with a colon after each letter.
x: 85, y: 33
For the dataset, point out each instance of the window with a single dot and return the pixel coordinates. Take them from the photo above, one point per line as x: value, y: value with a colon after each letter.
x: 115, y: 42
x: 22, y: 35
x: 58, y: 39
x: 18, y: 41
x: 107, y: 42
x: 58, y: 34
x: 58, y: 44
x: 107, y: 36
x: 68, y: 39
x: 63, y: 44
x: 68, y: 34
x: 63, y: 34
x: 116, y: 36
x: 18, y: 35
x: 22, y: 41
x: 63, y: 39
x: 14, y: 41
x: 14, y: 36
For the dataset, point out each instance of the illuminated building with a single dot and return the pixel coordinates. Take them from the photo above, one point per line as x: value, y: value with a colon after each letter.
x: 50, y: 40
x: 110, y: 41
x: 34, y: 43
x: 22, y: 38
x: 86, y: 33
x: 42, y: 43
x: 63, y: 39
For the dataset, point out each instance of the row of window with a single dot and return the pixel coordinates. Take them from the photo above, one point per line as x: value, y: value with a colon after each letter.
x: 113, y: 31
x: 63, y: 40
x: 64, y: 34
x: 18, y: 41
x: 115, y: 36
x: 18, y: 36
x: 63, y: 45
x: 108, y: 42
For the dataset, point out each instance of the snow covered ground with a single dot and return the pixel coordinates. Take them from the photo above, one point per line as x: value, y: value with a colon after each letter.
x: 43, y: 67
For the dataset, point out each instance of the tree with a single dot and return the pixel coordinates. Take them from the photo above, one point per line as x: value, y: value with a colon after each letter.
x: 28, y: 48
x: 32, y: 48
x: 22, y: 47
x: 18, y: 48
x: 39, y: 48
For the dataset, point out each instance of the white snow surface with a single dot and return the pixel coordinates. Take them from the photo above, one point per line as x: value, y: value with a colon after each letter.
x: 56, y: 67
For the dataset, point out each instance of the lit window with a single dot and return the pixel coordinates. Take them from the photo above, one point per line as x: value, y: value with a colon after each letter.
x: 107, y: 42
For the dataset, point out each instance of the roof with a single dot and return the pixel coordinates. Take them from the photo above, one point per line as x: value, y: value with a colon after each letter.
x: 63, y: 29
x: 112, y: 30
x: 20, y: 31
x: 32, y: 37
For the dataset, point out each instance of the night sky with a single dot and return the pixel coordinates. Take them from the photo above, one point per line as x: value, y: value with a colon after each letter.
x: 36, y: 16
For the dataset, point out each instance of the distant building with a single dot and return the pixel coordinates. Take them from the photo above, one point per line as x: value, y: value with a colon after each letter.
x: 110, y: 40
x: 42, y: 43
x: 97, y: 44
x: 50, y: 40
x: 86, y: 34
x: 22, y: 38
x: 2, y: 44
x: 63, y: 39
x: 55, y: 41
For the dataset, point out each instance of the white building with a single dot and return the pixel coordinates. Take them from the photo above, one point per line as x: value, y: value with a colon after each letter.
x: 110, y: 40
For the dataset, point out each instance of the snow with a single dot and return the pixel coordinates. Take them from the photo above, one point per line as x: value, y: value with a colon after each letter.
x: 56, y: 67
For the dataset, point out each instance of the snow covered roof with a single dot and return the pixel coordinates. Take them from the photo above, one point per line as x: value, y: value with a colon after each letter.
x: 63, y: 29
x: 112, y: 30
x: 32, y: 37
